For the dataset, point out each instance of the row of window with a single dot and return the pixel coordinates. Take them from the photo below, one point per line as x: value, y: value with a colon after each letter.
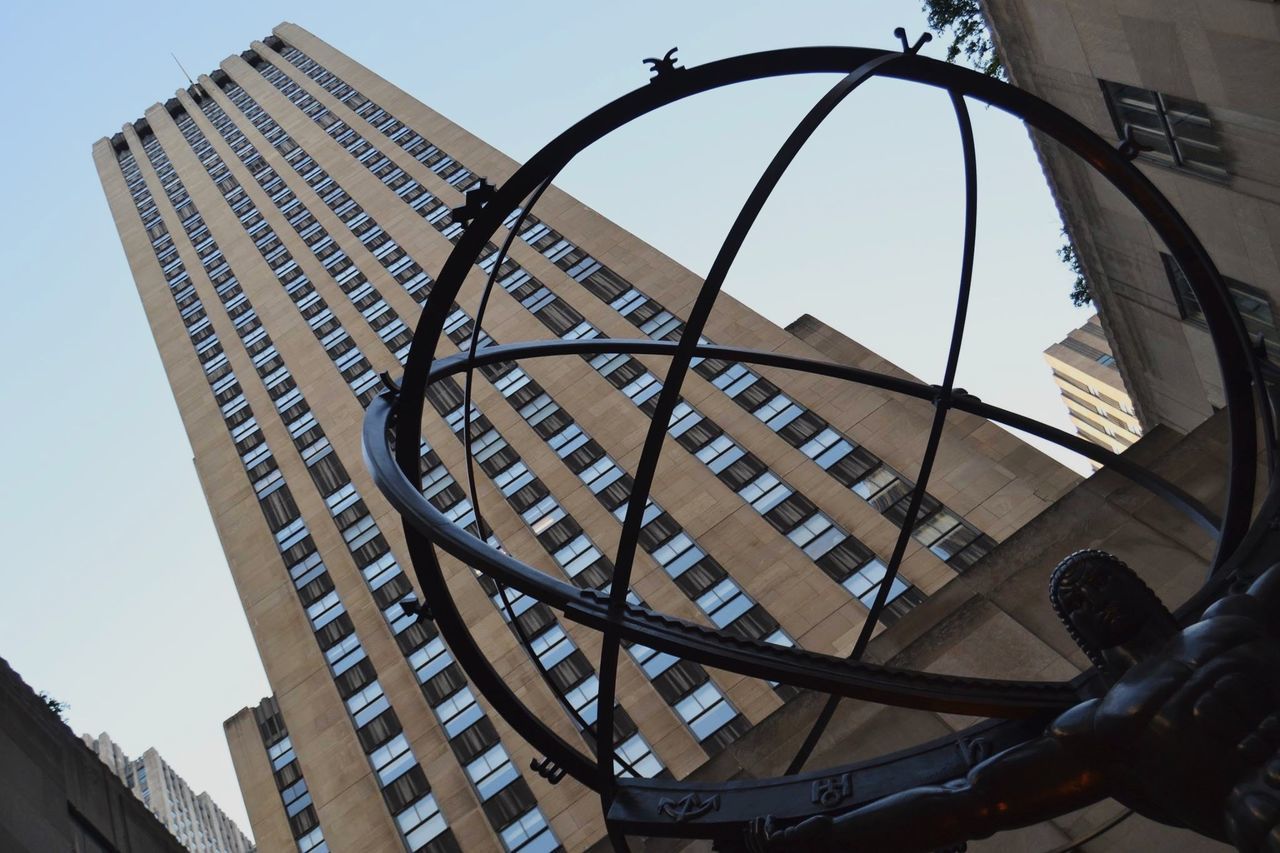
x: 259, y: 464
x: 505, y: 475
x: 363, y: 296
x: 1253, y: 304
x: 695, y: 572
x: 852, y: 565
x: 1096, y: 407
x: 507, y: 804
x: 402, y: 780
x: 951, y: 538
x: 776, y: 410
x: 1125, y: 436
x: 947, y: 533
x: 374, y: 720
x: 1179, y: 133
x: 584, y: 456
x: 564, y: 539
x: 294, y: 795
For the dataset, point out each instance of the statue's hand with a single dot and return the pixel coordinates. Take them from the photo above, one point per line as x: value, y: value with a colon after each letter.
x: 1253, y: 814
x: 1238, y: 712
x: 1253, y: 808
x: 760, y: 835
x: 764, y: 836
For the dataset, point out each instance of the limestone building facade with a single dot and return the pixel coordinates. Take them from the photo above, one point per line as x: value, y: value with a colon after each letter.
x: 1194, y: 83
x: 283, y: 219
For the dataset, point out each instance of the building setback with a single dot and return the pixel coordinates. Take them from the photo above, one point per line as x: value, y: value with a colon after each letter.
x: 194, y: 819
x: 1194, y: 84
x: 283, y: 219
x: 1092, y: 389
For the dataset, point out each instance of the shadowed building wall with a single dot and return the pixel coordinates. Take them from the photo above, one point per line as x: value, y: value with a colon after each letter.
x: 1194, y: 84
x: 57, y: 795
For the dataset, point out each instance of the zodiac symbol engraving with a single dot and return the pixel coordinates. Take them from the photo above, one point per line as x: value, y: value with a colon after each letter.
x: 688, y: 807
x: 832, y: 789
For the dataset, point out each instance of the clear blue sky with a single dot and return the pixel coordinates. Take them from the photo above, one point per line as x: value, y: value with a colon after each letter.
x: 116, y: 597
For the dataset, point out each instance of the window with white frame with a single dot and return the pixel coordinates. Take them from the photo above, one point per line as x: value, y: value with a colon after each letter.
x: 705, y: 710
x: 491, y: 771
x: 392, y: 759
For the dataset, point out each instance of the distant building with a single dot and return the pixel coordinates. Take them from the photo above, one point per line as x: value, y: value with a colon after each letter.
x: 1195, y: 86
x: 56, y: 795
x: 1086, y: 374
x: 194, y: 819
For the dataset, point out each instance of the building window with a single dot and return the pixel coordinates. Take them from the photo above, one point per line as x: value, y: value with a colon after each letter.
x: 639, y: 756
x: 724, y: 602
x: 705, y: 710
x: 1176, y: 132
x: 421, y: 822
x: 491, y: 772
x: 392, y: 759
x: 529, y: 834
x: 1252, y: 303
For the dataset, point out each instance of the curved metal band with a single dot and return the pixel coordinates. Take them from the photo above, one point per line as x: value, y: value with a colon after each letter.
x: 482, y: 527
x: 1185, y: 503
x: 888, y: 685
x: 941, y: 403
x: 678, y: 369
x: 639, y: 804
x: 424, y: 525
x: 854, y: 679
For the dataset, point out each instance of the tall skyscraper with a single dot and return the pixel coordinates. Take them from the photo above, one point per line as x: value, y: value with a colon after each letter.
x: 283, y: 219
x: 1092, y: 389
x: 194, y: 819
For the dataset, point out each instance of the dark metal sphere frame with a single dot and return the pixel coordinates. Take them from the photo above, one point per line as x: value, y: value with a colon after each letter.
x: 392, y: 435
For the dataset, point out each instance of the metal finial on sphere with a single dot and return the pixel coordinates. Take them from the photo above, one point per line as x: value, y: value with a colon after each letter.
x: 664, y: 67
x: 924, y: 39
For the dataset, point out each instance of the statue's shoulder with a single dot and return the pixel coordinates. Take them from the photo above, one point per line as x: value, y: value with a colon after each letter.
x: 1230, y: 623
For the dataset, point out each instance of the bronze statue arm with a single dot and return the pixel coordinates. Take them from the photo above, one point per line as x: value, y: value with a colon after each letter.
x: 1026, y: 784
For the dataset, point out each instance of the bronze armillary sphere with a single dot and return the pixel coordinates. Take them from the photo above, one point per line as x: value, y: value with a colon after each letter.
x: 1046, y: 743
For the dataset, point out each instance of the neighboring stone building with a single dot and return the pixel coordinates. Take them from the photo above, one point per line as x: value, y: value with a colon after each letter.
x: 55, y: 795
x: 194, y: 819
x: 1196, y: 83
x: 1092, y: 389
x: 283, y: 220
